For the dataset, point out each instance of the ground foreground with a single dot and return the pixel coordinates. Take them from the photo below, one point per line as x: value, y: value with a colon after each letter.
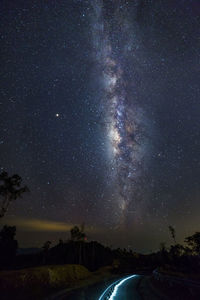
x: 40, y: 282
x: 75, y: 282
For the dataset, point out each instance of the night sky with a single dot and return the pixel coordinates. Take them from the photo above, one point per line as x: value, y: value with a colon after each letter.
x: 99, y: 114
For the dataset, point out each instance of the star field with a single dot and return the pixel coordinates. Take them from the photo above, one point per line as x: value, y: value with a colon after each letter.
x: 99, y: 110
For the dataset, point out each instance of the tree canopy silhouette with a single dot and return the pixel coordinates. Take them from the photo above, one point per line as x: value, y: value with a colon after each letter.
x: 10, y: 189
x: 173, y: 233
x: 8, y: 245
x: 193, y: 242
x: 78, y: 234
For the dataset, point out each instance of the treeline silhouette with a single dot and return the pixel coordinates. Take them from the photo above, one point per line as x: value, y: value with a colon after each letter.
x: 77, y: 250
x: 93, y: 255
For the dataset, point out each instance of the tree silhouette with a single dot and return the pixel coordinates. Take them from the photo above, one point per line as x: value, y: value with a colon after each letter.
x: 173, y: 233
x: 10, y: 189
x: 7, y: 233
x: 193, y: 242
x: 177, y: 250
x: 46, y: 248
x: 163, y: 247
x: 8, y: 245
x: 77, y: 234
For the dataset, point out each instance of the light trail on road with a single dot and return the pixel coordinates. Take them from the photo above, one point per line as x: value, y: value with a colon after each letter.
x: 116, y: 286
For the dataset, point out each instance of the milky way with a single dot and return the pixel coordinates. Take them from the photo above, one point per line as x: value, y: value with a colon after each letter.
x: 124, y: 119
x: 99, y: 110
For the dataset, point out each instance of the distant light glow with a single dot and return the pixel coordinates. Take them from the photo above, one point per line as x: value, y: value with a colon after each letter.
x: 115, y: 290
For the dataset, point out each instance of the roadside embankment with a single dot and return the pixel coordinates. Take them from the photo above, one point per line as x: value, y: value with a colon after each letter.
x: 39, y: 282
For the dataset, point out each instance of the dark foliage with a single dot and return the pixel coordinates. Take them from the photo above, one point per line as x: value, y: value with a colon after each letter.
x: 78, y: 234
x: 10, y: 189
x: 93, y: 255
x: 8, y: 246
x: 194, y: 243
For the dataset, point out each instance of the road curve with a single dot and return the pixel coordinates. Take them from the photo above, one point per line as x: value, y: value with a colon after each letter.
x: 125, y: 288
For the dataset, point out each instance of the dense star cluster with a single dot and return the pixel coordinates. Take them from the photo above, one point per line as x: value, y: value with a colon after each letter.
x: 99, y: 110
x: 125, y: 131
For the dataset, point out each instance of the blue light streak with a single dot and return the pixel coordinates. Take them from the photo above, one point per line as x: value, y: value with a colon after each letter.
x: 116, y: 285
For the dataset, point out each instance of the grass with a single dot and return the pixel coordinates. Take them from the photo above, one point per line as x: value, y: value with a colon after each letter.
x: 36, y: 283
